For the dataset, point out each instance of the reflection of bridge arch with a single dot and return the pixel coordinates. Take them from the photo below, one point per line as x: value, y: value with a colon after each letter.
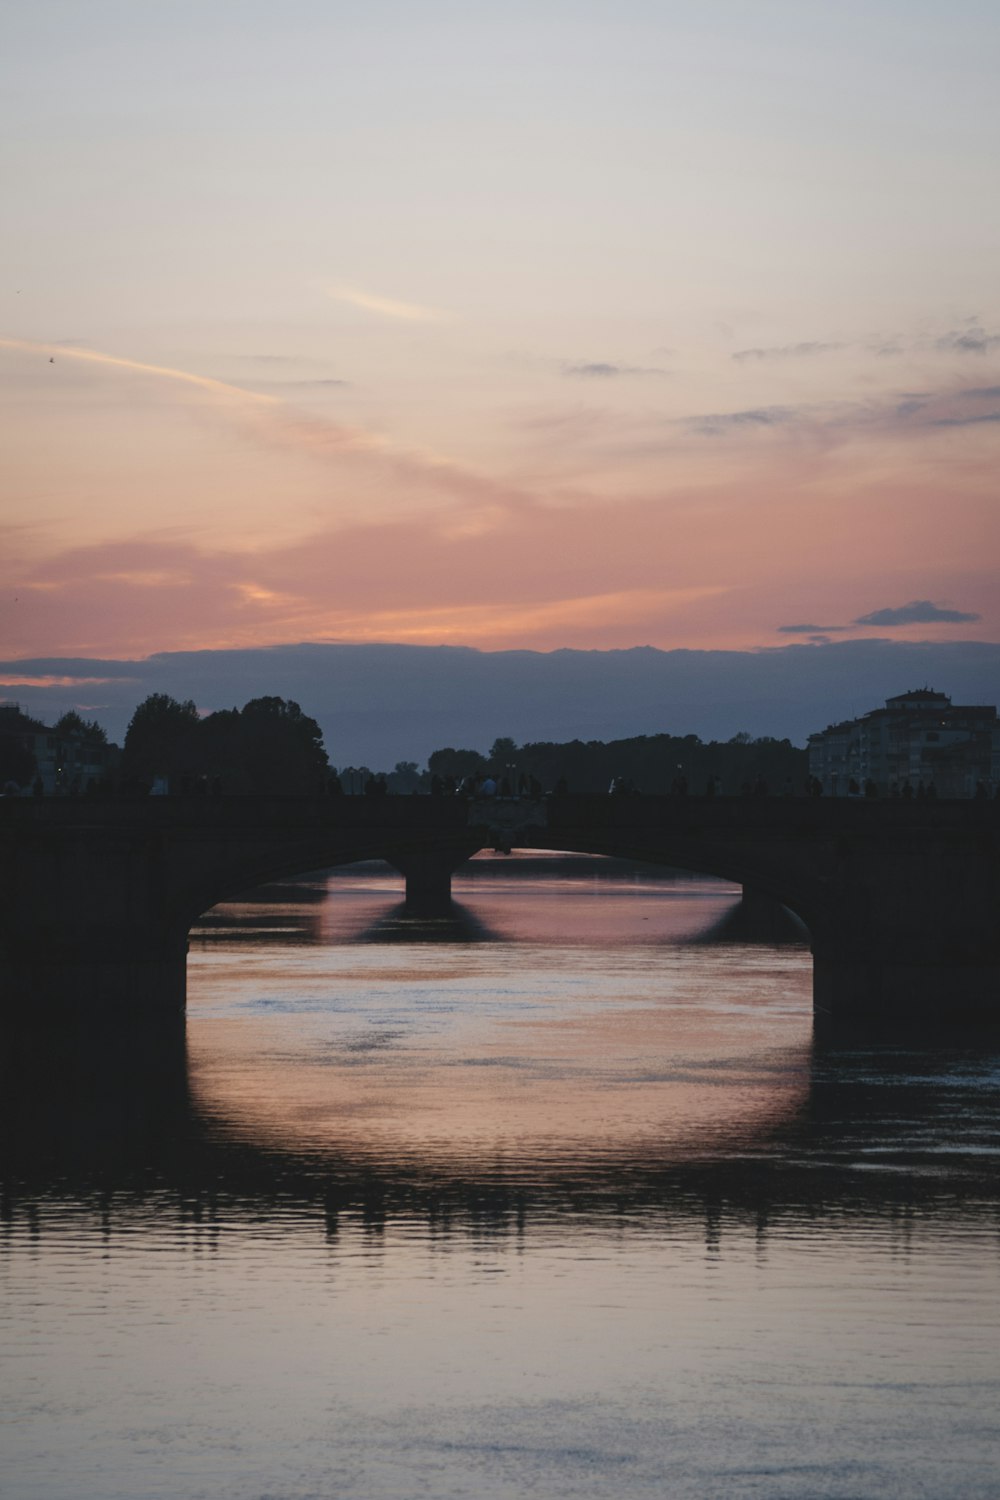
x: 902, y: 900
x: 118, y: 1127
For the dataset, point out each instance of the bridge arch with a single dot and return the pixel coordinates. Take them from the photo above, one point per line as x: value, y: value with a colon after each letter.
x: 428, y: 871
x: 764, y: 913
x: 892, y: 896
x: 902, y: 901
x: 723, y: 864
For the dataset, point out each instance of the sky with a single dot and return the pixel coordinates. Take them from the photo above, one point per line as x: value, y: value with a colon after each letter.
x: 550, y: 325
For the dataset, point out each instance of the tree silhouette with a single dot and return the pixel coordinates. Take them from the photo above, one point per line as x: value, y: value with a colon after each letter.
x: 269, y: 745
x: 71, y: 725
x: 160, y: 739
x: 278, y: 749
x: 653, y: 763
x: 503, y: 751
x: 456, y: 763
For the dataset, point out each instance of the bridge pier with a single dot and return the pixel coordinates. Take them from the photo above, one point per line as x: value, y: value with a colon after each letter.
x: 89, y: 924
x: 115, y: 979
x: 909, y: 933
x: 760, y: 918
x: 428, y: 873
x: 867, y: 989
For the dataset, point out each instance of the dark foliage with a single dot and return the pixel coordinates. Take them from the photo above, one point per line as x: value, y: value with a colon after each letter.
x: 72, y: 726
x: 268, y: 746
x: 405, y: 778
x: 654, y: 763
x: 160, y: 739
x: 456, y: 763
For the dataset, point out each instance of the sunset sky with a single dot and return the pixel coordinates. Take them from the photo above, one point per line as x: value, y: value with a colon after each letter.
x: 549, y: 324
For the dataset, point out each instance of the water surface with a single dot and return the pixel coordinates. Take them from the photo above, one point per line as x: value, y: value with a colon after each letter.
x: 560, y: 1197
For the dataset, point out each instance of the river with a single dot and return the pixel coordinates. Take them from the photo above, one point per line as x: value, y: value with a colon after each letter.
x: 561, y: 1197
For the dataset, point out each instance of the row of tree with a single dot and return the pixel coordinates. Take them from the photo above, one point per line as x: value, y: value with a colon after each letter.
x: 269, y: 745
x: 654, y: 763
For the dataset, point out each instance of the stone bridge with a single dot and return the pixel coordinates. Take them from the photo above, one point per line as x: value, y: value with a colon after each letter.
x: 901, y: 899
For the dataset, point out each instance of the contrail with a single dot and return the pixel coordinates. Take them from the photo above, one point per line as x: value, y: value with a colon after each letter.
x: 282, y: 423
x: 94, y: 356
x: 279, y: 419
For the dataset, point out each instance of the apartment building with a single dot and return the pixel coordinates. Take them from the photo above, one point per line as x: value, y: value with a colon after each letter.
x: 919, y: 740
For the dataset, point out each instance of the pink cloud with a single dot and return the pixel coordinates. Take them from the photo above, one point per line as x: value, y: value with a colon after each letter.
x: 703, y: 566
x: 709, y: 538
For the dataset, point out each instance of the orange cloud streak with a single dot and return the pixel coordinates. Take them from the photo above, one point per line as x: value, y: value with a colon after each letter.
x: 386, y: 307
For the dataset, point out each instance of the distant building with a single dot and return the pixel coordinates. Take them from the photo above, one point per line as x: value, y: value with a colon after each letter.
x: 918, y: 738
x: 832, y: 757
x: 65, y: 763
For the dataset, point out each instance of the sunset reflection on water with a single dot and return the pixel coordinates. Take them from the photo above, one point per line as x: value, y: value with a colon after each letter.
x: 510, y: 1048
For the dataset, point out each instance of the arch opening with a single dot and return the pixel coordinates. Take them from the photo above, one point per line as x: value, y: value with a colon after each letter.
x: 295, y: 907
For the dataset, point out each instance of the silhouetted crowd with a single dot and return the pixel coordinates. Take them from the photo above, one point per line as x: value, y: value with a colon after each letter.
x: 489, y: 786
x: 504, y: 788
